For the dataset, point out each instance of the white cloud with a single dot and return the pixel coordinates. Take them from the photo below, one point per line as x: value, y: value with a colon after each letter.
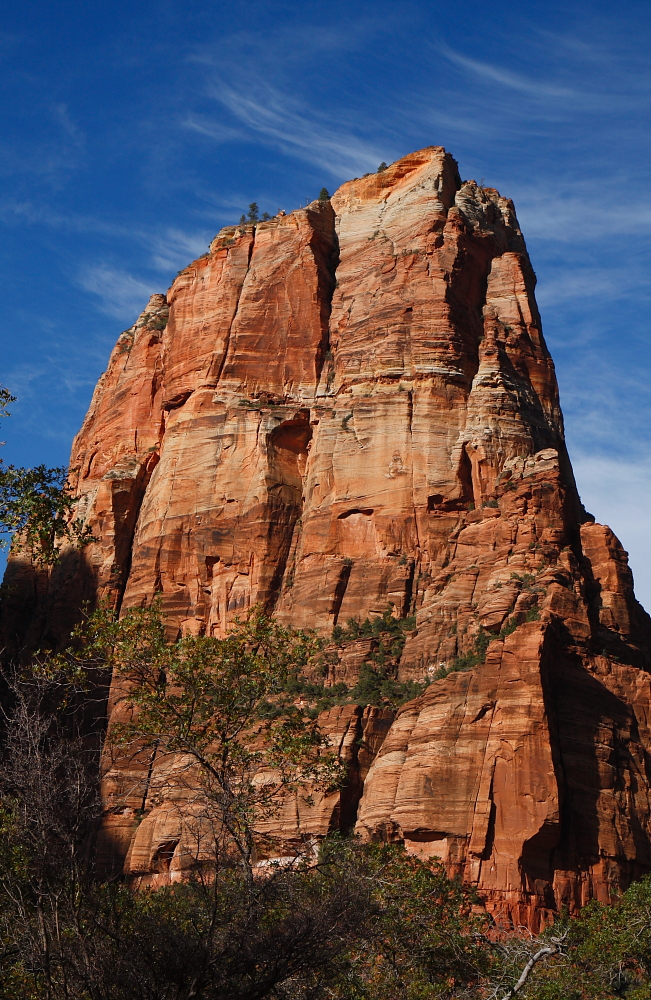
x: 61, y: 115
x: 609, y: 282
x: 581, y: 211
x: 211, y: 128
x: 506, y: 78
x: 175, y: 248
x: 285, y: 122
x: 120, y: 294
x: 617, y: 492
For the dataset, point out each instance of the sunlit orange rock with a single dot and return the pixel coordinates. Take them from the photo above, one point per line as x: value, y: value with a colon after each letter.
x: 352, y: 407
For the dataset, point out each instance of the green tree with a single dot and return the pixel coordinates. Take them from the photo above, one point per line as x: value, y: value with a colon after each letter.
x: 253, y: 213
x: 324, y: 195
x: 5, y: 399
x: 382, y: 167
x: 36, y: 507
x: 197, y: 707
x: 419, y: 936
x: 358, y: 921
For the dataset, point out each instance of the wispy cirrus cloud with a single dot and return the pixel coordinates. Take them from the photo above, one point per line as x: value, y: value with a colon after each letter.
x: 617, y: 492
x: 592, y: 283
x: 40, y: 213
x: 170, y: 247
x: 211, y: 128
x: 174, y: 248
x: 537, y: 89
x: 120, y: 294
x: 582, y: 209
x: 276, y: 117
x: 252, y: 84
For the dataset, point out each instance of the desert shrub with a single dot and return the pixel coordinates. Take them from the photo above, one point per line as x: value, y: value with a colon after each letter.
x: 468, y: 661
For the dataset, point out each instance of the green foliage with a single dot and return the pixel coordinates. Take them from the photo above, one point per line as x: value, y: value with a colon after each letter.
x: 324, y: 194
x: 253, y: 213
x: 340, y: 925
x: 265, y: 216
x: 606, y: 953
x: 508, y: 628
x: 386, y: 623
x: 361, y: 922
x: 382, y: 167
x: 36, y: 507
x: 376, y: 685
x: 468, y: 661
x: 242, y: 223
x: 357, y: 922
x: 5, y: 399
x: 199, y: 698
x: 424, y: 940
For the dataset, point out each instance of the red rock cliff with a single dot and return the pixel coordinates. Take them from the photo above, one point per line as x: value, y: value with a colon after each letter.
x: 352, y: 406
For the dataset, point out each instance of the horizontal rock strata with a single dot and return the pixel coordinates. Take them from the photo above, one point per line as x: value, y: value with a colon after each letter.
x: 351, y: 408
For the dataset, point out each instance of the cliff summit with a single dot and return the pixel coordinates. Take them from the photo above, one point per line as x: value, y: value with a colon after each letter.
x: 352, y: 408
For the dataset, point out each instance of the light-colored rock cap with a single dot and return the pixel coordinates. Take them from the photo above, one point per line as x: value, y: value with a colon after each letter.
x: 432, y: 162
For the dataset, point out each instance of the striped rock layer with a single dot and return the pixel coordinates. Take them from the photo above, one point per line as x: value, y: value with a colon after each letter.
x: 352, y: 407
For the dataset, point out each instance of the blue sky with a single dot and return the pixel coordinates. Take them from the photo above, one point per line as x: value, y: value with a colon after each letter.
x: 133, y: 132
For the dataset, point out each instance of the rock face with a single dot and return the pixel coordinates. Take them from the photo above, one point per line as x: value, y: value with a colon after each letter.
x: 351, y: 407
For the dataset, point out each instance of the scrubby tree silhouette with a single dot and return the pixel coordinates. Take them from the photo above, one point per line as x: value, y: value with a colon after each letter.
x: 36, y: 507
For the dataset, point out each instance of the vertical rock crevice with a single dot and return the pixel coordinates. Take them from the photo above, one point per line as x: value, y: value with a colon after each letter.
x: 353, y: 407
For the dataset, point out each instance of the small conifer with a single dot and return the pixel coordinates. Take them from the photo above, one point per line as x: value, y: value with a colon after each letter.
x: 382, y: 167
x: 324, y: 195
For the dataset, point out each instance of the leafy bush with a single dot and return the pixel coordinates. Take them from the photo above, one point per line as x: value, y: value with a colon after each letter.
x: 375, y: 626
x: 36, y: 507
x: 473, y: 658
x: 350, y: 922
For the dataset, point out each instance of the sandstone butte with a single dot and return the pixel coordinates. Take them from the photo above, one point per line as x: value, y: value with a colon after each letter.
x: 353, y: 406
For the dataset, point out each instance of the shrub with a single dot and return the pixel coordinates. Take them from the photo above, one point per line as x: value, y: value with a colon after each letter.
x: 473, y: 658
x: 382, y: 167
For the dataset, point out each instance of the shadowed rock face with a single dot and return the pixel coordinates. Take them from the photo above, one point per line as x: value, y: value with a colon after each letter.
x: 351, y: 406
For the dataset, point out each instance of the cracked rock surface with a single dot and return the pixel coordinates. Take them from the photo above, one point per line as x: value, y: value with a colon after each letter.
x: 353, y: 406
